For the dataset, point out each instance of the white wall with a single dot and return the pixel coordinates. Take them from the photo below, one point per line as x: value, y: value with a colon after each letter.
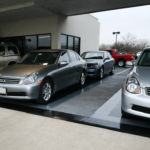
x: 32, y: 26
x: 84, y: 26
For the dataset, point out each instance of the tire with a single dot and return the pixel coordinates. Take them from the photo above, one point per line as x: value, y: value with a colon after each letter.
x: 101, y: 73
x: 45, y: 92
x: 112, y: 70
x: 11, y: 63
x: 82, y: 79
x: 121, y: 63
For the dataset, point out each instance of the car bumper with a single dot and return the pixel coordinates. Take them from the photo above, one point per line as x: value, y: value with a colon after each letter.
x: 21, y: 92
x: 136, y: 104
x: 93, y: 72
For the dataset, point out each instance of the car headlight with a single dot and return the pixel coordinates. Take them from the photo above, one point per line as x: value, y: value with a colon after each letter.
x: 31, y: 78
x: 95, y: 66
x: 133, y: 85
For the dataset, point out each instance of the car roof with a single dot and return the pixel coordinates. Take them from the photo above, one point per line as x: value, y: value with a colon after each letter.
x: 147, y: 48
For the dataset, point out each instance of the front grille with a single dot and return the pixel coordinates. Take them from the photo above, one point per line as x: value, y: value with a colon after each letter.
x: 147, y: 91
x: 90, y: 65
x: 9, y: 81
x: 141, y: 109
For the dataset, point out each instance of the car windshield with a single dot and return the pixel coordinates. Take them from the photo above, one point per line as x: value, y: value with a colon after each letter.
x: 41, y: 58
x: 93, y: 55
x: 145, y: 59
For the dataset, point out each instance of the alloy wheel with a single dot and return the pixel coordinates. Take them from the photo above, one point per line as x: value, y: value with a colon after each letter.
x: 82, y: 78
x: 46, y: 91
x: 121, y: 63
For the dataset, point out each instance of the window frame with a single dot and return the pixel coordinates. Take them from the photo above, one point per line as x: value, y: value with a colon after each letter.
x: 73, y: 42
x: 16, y: 49
x: 60, y: 56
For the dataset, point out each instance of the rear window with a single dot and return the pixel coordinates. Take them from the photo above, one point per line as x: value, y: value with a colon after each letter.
x: 2, y: 50
x: 12, y: 50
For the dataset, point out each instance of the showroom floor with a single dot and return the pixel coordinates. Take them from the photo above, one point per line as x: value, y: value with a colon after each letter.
x: 98, y: 103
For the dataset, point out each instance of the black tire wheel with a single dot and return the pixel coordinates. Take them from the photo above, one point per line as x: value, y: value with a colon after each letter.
x: 82, y: 79
x: 101, y: 73
x: 45, y: 92
x: 121, y: 63
x: 112, y: 70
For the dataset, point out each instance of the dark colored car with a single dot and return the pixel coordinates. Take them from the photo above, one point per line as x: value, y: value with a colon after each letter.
x: 99, y: 63
x: 41, y: 73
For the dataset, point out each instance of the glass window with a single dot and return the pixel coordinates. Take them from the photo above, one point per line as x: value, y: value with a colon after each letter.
x: 73, y: 56
x: 70, y: 42
x: 145, y: 59
x: 110, y: 52
x: 93, y: 55
x: 63, y: 41
x: 77, y: 45
x: 2, y: 50
x: 64, y: 57
x: 30, y: 43
x: 78, y: 58
x: 12, y: 50
x: 44, y: 41
x: 41, y: 58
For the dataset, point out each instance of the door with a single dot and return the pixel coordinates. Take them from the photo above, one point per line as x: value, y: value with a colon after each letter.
x: 106, y: 63
x: 75, y: 68
x: 62, y: 72
x: 2, y: 56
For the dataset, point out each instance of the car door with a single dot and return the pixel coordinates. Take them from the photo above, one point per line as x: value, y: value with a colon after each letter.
x: 75, y: 68
x: 112, y: 61
x: 62, y: 72
x: 2, y: 55
x: 106, y: 63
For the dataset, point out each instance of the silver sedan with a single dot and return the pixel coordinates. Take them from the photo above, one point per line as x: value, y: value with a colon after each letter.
x: 39, y: 74
x: 136, y: 88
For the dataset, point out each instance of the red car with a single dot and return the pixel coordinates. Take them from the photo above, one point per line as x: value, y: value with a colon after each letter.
x: 120, y: 59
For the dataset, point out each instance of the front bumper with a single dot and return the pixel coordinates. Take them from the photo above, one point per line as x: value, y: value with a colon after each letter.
x: 21, y: 91
x: 93, y: 72
x: 129, y: 101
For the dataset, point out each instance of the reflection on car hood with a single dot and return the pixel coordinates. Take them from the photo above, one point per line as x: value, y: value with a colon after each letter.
x: 19, y: 70
x: 94, y: 61
x: 143, y: 74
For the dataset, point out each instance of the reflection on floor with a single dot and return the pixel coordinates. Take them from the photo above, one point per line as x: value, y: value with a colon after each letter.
x: 98, y: 103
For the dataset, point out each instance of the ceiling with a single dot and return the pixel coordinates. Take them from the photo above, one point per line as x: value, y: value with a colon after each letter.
x: 20, y: 9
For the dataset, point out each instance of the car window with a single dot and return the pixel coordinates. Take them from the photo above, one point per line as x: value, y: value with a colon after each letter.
x: 78, y: 58
x: 145, y: 59
x: 12, y: 50
x: 64, y: 57
x: 109, y: 55
x: 73, y: 56
x: 40, y: 58
x: 2, y: 50
x: 93, y: 55
x: 110, y: 52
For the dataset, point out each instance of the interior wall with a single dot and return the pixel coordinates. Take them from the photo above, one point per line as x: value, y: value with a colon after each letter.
x: 32, y: 26
x: 85, y: 26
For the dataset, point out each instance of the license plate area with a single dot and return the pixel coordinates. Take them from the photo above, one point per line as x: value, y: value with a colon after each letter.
x: 2, y: 91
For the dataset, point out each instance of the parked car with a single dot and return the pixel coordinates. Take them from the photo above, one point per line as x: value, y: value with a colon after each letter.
x: 41, y: 73
x: 9, y: 54
x: 136, y: 88
x: 99, y: 63
x: 138, y: 54
x: 120, y: 59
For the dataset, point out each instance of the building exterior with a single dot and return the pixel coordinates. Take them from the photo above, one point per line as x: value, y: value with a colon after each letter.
x: 79, y: 33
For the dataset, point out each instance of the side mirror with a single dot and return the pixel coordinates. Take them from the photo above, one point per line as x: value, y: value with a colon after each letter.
x: 63, y: 63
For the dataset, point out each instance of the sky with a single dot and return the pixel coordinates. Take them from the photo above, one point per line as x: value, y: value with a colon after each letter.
x: 135, y: 20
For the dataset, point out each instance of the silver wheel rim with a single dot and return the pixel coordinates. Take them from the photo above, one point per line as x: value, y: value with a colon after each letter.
x: 101, y: 73
x: 46, y: 91
x: 121, y: 63
x: 82, y: 79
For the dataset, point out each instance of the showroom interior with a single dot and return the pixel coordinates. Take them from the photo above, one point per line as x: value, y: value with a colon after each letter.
x: 66, y: 24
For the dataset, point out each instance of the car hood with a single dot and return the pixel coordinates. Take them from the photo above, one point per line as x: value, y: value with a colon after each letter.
x: 143, y: 76
x: 94, y: 61
x: 19, y: 70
